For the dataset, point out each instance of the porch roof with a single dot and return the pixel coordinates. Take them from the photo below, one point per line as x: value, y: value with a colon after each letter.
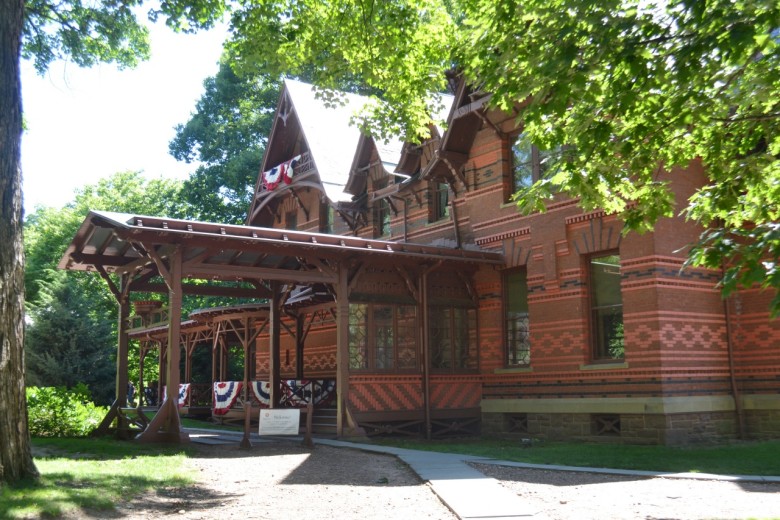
x: 139, y: 246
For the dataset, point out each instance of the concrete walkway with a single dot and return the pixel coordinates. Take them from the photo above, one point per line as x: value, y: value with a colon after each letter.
x: 467, y: 492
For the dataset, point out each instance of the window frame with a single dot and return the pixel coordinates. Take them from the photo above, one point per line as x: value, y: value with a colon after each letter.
x: 327, y: 218
x: 291, y: 217
x: 382, y: 219
x: 538, y: 170
x: 369, y: 330
x: 599, y: 346
x: 509, y: 348
x: 472, y: 347
x: 440, y: 201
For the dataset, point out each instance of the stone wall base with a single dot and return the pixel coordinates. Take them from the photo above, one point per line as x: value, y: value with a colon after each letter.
x: 674, y: 429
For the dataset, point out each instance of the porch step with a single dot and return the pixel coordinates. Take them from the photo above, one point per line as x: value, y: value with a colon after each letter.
x: 324, y: 421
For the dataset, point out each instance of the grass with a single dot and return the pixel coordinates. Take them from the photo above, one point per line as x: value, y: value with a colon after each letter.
x: 748, y: 458
x: 206, y: 425
x: 91, y: 475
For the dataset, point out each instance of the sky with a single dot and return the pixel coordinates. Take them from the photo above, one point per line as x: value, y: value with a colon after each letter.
x: 87, y: 124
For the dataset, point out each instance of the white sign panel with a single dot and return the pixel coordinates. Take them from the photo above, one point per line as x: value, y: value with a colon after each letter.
x: 279, y: 421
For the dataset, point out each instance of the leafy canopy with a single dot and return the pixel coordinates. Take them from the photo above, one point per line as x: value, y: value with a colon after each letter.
x: 633, y: 89
x: 104, y: 31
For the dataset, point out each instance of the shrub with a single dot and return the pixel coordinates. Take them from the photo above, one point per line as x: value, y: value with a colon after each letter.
x: 62, y: 412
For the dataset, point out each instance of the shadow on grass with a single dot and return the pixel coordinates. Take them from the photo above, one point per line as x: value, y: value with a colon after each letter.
x: 57, y: 493
x: 90, y: 476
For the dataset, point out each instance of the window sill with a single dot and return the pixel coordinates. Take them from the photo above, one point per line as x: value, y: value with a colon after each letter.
x: 603, y: 365
x: 513, y: 370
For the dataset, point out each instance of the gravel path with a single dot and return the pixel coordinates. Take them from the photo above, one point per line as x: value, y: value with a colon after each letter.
x: 285, y: 480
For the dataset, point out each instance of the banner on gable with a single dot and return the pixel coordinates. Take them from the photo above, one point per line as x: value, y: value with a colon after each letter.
x: 282, y: 173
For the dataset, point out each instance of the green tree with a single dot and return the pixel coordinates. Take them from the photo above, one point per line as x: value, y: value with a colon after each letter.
x: 66, y: 343
x: 101, y: 31
x: 227, y: 134
x: 71, y: 335
x: 48, y: 231
x: 628, y: 87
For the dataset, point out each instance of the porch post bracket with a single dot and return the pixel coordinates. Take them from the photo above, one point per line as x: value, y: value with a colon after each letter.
x: 161, y: 268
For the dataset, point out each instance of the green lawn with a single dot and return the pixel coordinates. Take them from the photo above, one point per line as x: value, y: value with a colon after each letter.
x: 748, y: 458
x: 91, y: 474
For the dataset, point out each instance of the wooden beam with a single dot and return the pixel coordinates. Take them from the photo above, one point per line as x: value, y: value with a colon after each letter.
x: 426, y: 356
x: 162, y: 268
x: 342, y: 348
x: 204, y: 290
x: 265, y: 273
x: 165, y: 426
x: 274, y: 336
x: 111, y: 285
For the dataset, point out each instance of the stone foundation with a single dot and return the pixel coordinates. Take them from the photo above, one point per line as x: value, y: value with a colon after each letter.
x: 670, y: 429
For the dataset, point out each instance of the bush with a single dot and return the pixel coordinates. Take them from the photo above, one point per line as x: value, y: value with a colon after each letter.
x: 62, y: 412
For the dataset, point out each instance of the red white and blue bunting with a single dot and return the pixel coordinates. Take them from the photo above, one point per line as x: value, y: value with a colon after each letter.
x: 184, y: 393
x: 225, y: 395
x: 282, y: 173
x: 262, y: 392
x: 295, y: 393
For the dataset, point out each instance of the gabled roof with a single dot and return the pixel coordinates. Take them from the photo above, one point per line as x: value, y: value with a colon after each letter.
x: 330, y: 137
x: 333, y: 142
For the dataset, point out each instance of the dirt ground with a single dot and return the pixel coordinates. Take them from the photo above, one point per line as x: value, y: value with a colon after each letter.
x: 283, y: 480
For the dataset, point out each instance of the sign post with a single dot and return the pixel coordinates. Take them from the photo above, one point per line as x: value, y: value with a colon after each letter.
x: 276, y: 421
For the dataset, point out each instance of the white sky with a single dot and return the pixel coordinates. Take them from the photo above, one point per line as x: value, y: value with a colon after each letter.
x: 86, y: 124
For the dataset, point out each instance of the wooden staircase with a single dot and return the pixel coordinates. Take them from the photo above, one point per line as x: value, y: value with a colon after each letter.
x: 324, y: 421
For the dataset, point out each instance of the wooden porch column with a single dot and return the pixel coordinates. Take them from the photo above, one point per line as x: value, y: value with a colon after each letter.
x: 299, y: 340
x: 246, y: 443
x: 274, y: 345
x: 342, y: 347
x: 166, y: 424
x: 123, y: 340
x: 426, y: 361
x: 122, y: 350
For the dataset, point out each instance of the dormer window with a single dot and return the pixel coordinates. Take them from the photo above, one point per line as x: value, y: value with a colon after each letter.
x: 382, y: 218
x: 529, y: 163
x: 326, y: 218
x: 440, y: 205
x: 291, y: 220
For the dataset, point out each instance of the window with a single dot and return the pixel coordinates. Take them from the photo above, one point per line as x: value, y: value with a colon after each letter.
x: 452, y: 335
x: 516, y: 318
x: 440, y: 207
x: 606, y: 307
x: 382, y: 218
x: 529, y: 163
x: 382, y: 336
x: 326, y: 218
x: 291, y: 220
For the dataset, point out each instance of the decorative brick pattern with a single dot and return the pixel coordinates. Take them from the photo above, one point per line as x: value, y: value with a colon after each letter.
x: 375, y: 394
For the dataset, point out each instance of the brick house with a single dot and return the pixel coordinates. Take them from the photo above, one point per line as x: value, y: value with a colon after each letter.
x: 552, y: 325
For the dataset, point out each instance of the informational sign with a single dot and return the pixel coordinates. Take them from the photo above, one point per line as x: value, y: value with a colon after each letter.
x: 279, y: 421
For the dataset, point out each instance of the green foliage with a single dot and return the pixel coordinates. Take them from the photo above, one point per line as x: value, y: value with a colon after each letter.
x: 87, y: 33
x: 635, y: 91
x: 62, y: 412
x: 400, y: 49
x: 226, y: 133
x: 71, y: 336
x: 67, y: 343
x: 106, y: 31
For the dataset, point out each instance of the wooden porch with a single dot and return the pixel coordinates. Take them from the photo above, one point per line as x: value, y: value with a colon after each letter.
x: 134, y: 253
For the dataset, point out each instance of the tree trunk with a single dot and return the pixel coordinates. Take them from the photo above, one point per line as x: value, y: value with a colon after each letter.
x: 15, y: 456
